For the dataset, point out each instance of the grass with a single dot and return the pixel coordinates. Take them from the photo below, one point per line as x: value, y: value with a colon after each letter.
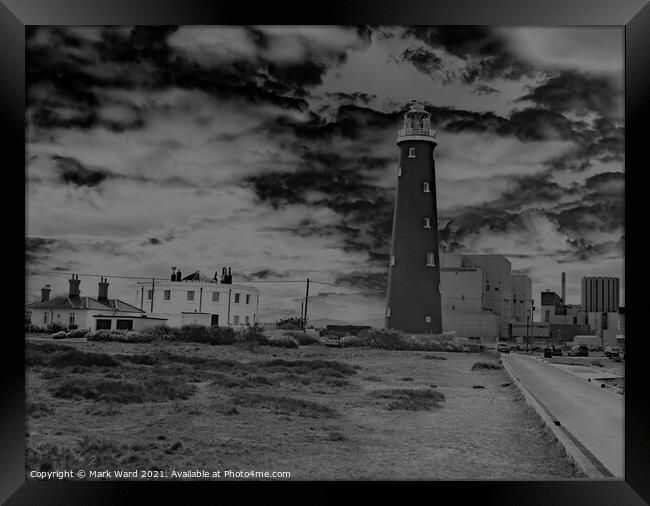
x: 124, y: 392
x: 284, y: 405
x: 305, y: 366
x: 410, y: 399
x: 486, y: 365
x: 434, y: 357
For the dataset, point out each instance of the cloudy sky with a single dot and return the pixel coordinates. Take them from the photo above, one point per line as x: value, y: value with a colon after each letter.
x: 272, y: 150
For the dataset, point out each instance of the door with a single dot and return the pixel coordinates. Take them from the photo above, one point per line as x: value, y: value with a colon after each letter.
x: 214, y: 320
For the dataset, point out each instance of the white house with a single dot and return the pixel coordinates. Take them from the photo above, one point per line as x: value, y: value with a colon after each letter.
x: 199, y: 299
x: 86, y: 312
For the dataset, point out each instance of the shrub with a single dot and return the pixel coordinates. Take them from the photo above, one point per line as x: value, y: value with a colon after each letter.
x: 335, y: 333
x: 60, y: 335
x: 159, y: 331
x: 73, y: 357
x: 410, y: 399
x: 99, y: 335
x: 283, y: 341
x: 485, y: 365
x: 381, y: 338
x: 54, y: 327
x: 304, y: 339
x: 351, y: 341
x: 285, y: 405
x: 251, y: 333
x: 305, y: 366
x: 151, y: 390
x: 77, y: 333
x: 73, y: 326
x: 33, y: 329
x: 201, y: 334
x: 292, y: 323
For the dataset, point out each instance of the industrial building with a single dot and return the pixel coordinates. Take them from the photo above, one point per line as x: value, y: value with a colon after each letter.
x: 600, y: 294
x: 477, y: 295
x: 413, y: 295
x: 86, y: 312
x: 522, y: 294
x: 199, y: 299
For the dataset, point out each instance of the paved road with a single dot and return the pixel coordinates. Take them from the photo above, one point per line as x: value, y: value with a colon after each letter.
x: 593, y: 415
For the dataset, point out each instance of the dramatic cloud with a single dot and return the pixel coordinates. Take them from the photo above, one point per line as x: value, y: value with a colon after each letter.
x: 271, y: 149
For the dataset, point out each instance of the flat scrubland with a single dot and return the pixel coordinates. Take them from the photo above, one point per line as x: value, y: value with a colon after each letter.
x: 320, y: 413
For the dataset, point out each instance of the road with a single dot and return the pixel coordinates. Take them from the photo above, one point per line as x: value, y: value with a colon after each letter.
x: 594, y: 416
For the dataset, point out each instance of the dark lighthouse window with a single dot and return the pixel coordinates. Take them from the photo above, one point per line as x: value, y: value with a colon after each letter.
x: 411, y: 152
x: 425, y: 187
x: 427, y: 222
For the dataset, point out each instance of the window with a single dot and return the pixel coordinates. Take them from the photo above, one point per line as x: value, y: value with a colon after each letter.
x: 399, y: 171
x: 71, y: 318
x: 215, y: 296
x: 248, y: 300
x: 190, y: 295
x: 586, y: 320
x: 425, y: 187
x: 575, y: 320
x: 427, y: 222
x: 392, y: 259
x: 411, y: 152
x: 247, y: 320
x: 514, y: 301
x: 103, y: 324
x: 168, y: 294
x: 496, y: 289
x: 236, y: 298
x: 547, y: 315
x: 44, y: 317
x: 124, y: 324
x: 431, y: 261
x: 236, y: 320
x: 427, y: 319
x: 149, y: 294
x: 387, y: 312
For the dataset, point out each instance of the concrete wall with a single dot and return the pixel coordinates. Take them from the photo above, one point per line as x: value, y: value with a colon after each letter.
x: 522, y: 293
x: 471, y: 324
x: 498, y: 286
x: 461, y: 288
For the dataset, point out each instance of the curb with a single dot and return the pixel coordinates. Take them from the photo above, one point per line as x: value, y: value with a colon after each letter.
x: 576, y: 451
x: 594, y: 382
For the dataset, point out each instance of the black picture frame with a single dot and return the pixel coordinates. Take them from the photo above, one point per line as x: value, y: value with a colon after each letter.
x: 634, y: 15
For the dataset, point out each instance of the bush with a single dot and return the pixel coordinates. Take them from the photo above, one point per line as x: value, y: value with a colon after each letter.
x: 351, y: 341
x: 60, y: 335
x: 410, y: 399
x: 381, y: 338
x: 485, y: 365
x: 304, y: 339
x: 292, y: 323
x: 151, y: 390
x: 251, y: 333
x: 33, y: 329
x: 55, y: 327
x: 283, y: 341
x: 201, y: 334
x: 335, y: 333
x: 73, y: 357
x: 77, y: 333
x: 73, y: 326
x: 159, y: 331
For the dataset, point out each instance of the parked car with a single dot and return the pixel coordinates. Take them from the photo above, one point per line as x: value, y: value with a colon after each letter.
x: 557, y: 352
x: 612, y: 352
x: 579, y: 350
x: 503, y: 348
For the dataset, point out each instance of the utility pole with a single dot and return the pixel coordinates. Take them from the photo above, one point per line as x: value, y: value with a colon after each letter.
x: 304, y: 321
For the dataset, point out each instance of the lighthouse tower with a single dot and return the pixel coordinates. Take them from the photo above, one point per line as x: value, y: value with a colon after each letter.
x: 413, y: 303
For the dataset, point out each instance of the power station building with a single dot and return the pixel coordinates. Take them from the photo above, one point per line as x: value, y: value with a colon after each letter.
x: 413, y: 298
x: 600, y: 294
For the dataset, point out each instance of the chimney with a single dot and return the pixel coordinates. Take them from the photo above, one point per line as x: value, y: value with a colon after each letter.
x: 216, y: 276
x: 224, y: 276
x: 564, y: 288
x: 45, y: 293
x: 173, y: 274
x: 74, y: 286
x: 229, y: 276
x: 178, y: 275
x: 103, y: 290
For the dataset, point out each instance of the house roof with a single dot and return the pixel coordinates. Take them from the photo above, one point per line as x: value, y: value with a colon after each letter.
x: 77, y: 302
x: 198, y: 276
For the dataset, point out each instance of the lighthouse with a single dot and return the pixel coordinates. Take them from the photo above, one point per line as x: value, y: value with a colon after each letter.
x: 413, y: 302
